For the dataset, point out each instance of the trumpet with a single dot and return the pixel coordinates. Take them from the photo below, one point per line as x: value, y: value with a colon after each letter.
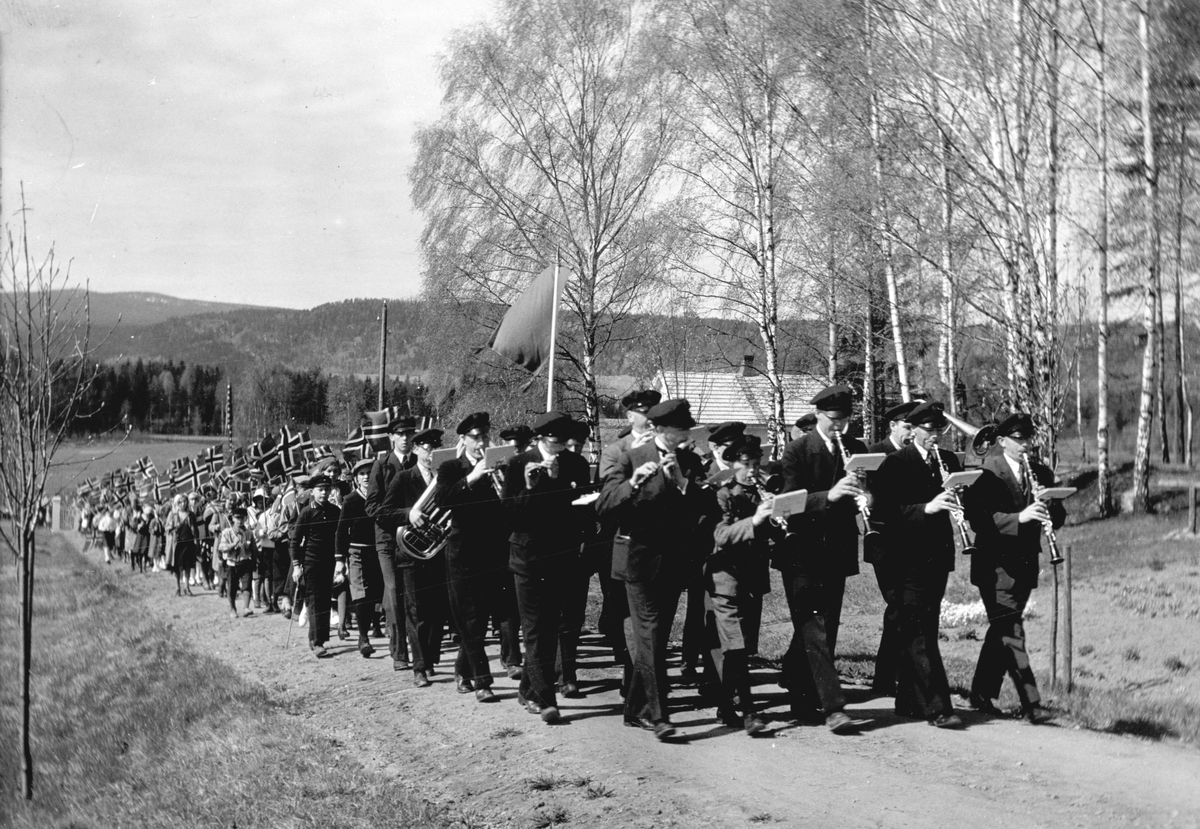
x: 864, y: 509
x: 1035, y: 493
x: 960, y: 520
x: 426, y: 541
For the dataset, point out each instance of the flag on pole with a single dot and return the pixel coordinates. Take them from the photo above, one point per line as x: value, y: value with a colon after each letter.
x: 524, y: 334
x: 357, y: 443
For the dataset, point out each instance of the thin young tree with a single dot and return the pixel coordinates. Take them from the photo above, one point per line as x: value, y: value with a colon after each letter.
x: 45, y: 372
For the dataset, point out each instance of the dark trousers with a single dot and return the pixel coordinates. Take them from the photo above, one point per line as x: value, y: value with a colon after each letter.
x: 508, y: 618
x: 393, y: 603
x: 693, y: 620
x: 808, y: 670
x: 425, y: 608
x: 283, y: 571
x: 885, y: 660
x: 472, y: 597
x: 614, y: 608
x: 541, y: 602
x: 318, y: 589
x: 236, y: 574
x: 652, y: 606
x: 1004, y: 645
x: 574, y: 584
x: 729, y: 622
x: 922, y: 689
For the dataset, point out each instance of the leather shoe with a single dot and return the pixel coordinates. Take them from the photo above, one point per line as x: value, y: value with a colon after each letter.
x: 366, y: 649
x: 513, y: 671
x: 319, y: 652
x: 754, y: 725
x: 485, y: 695
x: 729, y: 717
x: 1038, y: 714
x: 984, y: 705
x: 950, y: 720
x: 838, y: 722
x: 462, y: 685
x: 550, y: 715
x: 663, y: 730
x: 421, y: 680
x: 640, y: 722
x: 569, y: 690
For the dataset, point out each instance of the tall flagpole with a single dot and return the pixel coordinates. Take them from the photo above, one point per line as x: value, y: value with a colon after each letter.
x: 553, y: 339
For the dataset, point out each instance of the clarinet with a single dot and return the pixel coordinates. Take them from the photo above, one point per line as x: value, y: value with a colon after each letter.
x: 1035, y: 491
x: 960, y: 519
x: 863, y: 508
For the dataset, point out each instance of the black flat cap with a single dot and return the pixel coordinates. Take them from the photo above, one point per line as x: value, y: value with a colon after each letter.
x: 553, y: 425
x: 930, y: 414
x: 315, y: 481
x: 641, y: 400
x: 478, y: 420
x: 1016, y: 424
x: 898, y: 412
x: 363, y: 466
x: 837, y: 398
x: 520, y: 433
x: 744, y: 446
x: 430, y: 437
x: 727, y: 432
x: 806, y: 421
x: 675, y: 414
x: 402, y: 424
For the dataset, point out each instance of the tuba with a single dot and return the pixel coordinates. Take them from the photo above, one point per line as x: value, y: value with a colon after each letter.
x: 982, y: 437
x: 426, y: 541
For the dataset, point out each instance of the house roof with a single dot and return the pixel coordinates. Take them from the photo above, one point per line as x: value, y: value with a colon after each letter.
x: 738, y: 395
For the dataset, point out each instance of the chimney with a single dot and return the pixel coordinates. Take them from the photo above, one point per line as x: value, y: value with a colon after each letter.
x: 748, y: 366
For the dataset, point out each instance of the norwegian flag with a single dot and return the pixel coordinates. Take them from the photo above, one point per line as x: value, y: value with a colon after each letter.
x: 239, y: 465
x: 357, y: 443
x: 375, y: 428
x: 263, y: 450
x: 300, y: 445
x: 214, y: 458
x: 286, y: 448
x: 193, y: 477
x: 145, y: 468
x: 178, y: 465
x: 87, y: 487
x: 321, y: 452
x: 273, y: 467
x: 163, y: 489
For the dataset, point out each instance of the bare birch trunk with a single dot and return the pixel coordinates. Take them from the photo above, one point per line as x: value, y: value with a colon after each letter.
x: 1104, y: 474
x: 831, y: 310
x: 1141, y: 459
x: 1183, y: 408
x: 1047, y: 323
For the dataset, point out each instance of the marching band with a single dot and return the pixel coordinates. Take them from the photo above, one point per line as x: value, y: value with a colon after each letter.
x: 509, y: 537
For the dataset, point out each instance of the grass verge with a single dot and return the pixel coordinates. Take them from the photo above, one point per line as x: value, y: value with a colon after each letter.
x: 131, y: 727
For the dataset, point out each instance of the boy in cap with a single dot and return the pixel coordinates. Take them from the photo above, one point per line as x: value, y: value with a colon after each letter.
x: 539, y: 486
x: 656, y: 496
x: 314, y: 548
x: 737, y: 575
x: 1008, y: 520
x: 915, y: 513
x: 356, y: 547
x: 819, y: 553
x: 235, y: 546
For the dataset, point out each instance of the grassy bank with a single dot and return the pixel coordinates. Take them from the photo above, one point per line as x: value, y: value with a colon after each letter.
x: 133, y: 728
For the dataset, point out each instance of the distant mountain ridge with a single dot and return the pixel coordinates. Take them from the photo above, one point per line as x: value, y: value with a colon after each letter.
x: 133, y: 309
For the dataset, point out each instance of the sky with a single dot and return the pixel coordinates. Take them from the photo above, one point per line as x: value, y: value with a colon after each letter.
x: 251, y: 152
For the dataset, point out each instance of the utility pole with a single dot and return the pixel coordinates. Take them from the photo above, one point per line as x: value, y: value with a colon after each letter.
x: 382, y: 351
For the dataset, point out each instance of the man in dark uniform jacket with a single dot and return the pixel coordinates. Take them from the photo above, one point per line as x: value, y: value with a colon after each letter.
x: 476, y: 553
x: 539, y: 486
x: 356, y: 546
x: 656, y: 496
x: 386, y: 500
x: 737, y: 576
x: 899, y: 436
x: 1008, y: 523
x: 313, y: 547
x: 820, y: 551
x: 915, y: 512
x: 615, y: 609
x: 426, y: 598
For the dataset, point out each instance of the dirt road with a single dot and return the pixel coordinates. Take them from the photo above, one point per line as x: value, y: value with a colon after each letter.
x: 495, y: 765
